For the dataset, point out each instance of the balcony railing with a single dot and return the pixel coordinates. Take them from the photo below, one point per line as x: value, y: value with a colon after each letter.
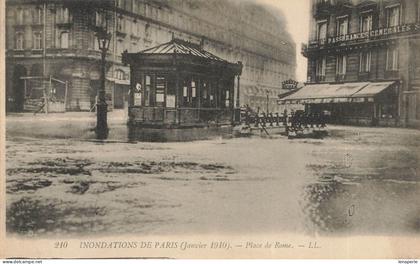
x: 313, y: 45
x: 61, y: 53
x: 340, y: 77
x: 320, y: 78
x: 323, y: 8
x: 355, y: 38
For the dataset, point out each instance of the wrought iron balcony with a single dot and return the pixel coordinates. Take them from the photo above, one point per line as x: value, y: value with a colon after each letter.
x: 313, y: 45
x: 323, y: 8
x: 320, y: 78
x: 340, y: 77
x: 370, y: 38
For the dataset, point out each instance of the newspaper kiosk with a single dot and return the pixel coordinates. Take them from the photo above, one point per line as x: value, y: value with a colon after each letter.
x: 179, y: 85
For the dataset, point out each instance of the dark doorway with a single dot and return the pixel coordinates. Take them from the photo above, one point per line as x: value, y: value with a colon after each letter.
x: 19, y: 87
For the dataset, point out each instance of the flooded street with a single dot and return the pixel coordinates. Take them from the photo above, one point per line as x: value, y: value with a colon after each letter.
x: 357, y: 181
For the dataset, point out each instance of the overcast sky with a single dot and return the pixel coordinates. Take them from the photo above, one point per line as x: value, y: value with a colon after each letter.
x: 297, y: 16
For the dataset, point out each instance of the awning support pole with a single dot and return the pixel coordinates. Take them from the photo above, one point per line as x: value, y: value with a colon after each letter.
x: 237, y: 92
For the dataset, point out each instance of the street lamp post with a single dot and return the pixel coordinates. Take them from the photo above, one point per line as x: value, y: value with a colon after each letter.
x: 104, y: 39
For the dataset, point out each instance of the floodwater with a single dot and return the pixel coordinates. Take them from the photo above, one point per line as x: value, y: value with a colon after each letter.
x: 357, y: 181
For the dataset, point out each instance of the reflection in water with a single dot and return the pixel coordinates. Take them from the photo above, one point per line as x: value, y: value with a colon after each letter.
x: 323, y: 204
x: 136, y: 133
x: 369, y: 191
x: 370, y: 206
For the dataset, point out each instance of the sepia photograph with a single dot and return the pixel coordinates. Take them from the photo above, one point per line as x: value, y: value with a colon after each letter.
x: 210, y: 128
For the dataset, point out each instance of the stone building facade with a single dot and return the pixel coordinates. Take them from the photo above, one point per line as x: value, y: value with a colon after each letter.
x: 57, y: 38
x: 369, y: 41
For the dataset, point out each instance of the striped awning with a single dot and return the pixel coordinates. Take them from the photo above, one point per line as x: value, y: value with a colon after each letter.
x: 373, y: 89
x: 337, y: 93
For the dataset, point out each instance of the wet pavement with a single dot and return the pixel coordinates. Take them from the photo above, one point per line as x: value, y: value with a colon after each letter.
x: 357, y: 181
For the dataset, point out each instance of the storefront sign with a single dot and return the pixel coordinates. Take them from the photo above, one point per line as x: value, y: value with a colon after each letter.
x: 137, y: 99
x: 170, y: 100
x: 160, y: 98
x: 137, y: 94
x: 377, y: 33
x: 289, y: 84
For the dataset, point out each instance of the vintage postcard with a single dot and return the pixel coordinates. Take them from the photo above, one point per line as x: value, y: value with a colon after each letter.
x: 210, y: 129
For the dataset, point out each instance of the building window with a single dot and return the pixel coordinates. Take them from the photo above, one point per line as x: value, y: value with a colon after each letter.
x: 392, y: 59
x: 366, y: 22
x: 38, y: 16
x: 341, y: 65
x: 62, y: 15
x: 321, y: 65
x: 365, y: 61
x: 119, y: 74
x: 120, y: 47
x: 37, y: 44
x: 154, y: 12
x: 100, y: 20
x: 19, y: 45
x: 120, y: 24
x: 135, y: 28
x: 95, y: 43
x: 64, y: 40
x: 19, y: 16
x: 147, y: 10
x: 342, y: 26
x: 147, y: 31
x: 129, y: 26
x: 135, y: 6
x: 322, y: 30
x: 393, y: 16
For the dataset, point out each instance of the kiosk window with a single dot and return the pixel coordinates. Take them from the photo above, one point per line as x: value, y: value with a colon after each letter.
x: 193, y: 94
x: 160, y: 90
x: 147, y: 89
x: 227, y: 98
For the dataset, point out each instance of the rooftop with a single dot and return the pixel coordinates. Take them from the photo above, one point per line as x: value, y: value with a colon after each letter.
x: 178, y: 46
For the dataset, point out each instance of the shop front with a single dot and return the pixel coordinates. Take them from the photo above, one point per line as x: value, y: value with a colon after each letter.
x: 361, y: 103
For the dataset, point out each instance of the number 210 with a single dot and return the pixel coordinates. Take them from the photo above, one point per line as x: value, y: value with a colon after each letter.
x: 61, y: 244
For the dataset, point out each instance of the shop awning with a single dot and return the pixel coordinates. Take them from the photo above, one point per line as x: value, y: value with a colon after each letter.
x: 337, y: 93
x: 373, y: 89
